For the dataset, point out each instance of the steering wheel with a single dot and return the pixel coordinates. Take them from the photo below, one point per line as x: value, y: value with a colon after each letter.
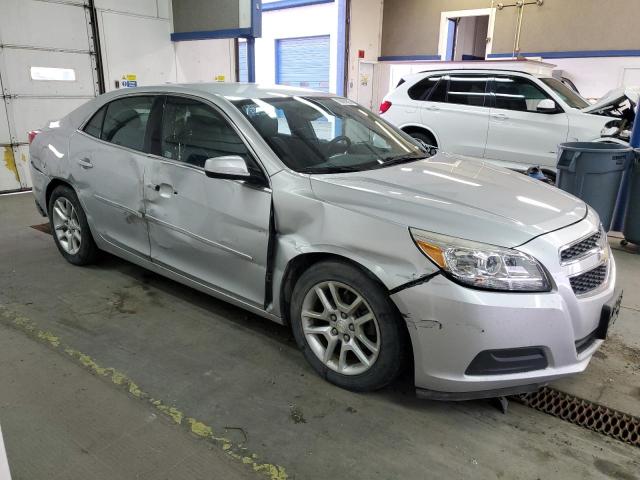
x: 339, y: 140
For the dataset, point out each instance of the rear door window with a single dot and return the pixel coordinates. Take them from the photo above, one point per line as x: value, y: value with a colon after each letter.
x: 467, y: 90
x: 125, y: 121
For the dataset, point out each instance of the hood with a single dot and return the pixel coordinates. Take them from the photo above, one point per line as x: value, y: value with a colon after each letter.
x: 613, y: 98
x: 456, y: 196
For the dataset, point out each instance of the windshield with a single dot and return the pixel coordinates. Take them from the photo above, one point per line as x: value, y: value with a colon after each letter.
x: 569, y: 96
x: 328, y: 134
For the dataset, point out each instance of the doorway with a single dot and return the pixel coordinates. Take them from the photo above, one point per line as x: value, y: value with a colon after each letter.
x: 466, y: 34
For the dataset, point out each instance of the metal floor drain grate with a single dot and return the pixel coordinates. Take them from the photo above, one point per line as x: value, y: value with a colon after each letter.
x: 598, y: 418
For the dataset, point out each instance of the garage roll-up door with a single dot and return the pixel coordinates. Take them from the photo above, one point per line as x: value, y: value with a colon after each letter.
x: 303, y: 62
x: 46, y: 70
x: 243, y: 73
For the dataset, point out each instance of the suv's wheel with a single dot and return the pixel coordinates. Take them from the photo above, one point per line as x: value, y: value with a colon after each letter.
x: 424, y: 137
x: 347, y: 327
x: 70, y: 228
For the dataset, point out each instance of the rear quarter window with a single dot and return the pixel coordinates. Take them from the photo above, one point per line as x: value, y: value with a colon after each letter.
x: 422, y: 89
x: 94, y: 126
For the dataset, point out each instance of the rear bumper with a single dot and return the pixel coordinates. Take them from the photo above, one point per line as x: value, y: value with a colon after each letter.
x: 450, y: 325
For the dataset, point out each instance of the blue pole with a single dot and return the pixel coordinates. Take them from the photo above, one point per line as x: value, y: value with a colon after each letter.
x: 620, y: 212
x: 635, y: 134
x: 251, y: 59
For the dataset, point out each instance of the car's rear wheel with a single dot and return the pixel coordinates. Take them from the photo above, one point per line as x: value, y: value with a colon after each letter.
x: 347, y: 327
x: 70, y: 228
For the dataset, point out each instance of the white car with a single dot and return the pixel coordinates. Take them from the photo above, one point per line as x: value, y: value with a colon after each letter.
x: 515, y: 119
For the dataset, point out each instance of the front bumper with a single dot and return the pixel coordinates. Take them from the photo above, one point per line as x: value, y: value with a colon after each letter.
x: 450, y: 325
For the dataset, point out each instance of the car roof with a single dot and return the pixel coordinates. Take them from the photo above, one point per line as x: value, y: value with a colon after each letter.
x: 230, y: 91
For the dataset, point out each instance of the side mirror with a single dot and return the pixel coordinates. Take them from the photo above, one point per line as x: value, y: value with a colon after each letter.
x: 231, y: 167
x: 547, y: 106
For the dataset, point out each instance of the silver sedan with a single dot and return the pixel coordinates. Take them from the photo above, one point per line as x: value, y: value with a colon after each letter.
x: 313, y: 212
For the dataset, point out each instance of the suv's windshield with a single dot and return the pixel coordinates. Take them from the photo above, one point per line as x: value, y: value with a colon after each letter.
x: 569, y: 96
x: 328, y: 134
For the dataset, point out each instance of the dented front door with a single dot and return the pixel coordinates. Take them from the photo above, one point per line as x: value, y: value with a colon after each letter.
x: 211, y: 230
x: 109, y: 180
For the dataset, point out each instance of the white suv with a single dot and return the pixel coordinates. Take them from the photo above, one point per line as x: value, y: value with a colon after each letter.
x: 515, y: 119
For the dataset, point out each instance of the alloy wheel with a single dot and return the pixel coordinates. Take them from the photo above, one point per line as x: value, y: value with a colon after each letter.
x: 67, y: 226
x: 340, y: 328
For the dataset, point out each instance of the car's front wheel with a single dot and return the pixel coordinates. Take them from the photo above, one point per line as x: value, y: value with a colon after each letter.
x: 70, y: 228
x: 347, y: 327
x: 425, y: 137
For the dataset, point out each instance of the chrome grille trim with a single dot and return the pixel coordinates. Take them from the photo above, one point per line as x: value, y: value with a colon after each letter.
x: 580, y: 248
x: 590, y: 281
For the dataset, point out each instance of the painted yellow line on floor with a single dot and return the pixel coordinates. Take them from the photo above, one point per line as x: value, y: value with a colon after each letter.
x: 198, y: 428
x: 4, y: 462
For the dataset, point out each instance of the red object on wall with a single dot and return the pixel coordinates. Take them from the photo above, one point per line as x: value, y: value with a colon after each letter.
x: 360, y: 53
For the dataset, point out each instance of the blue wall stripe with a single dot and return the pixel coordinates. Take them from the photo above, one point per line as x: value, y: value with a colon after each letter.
x: 573, y: 54
x: 210, y: 34
x: 401, y: 58
x: 281, y: 4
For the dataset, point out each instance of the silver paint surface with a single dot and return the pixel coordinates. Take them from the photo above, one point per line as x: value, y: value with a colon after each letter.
x: 212, y: 234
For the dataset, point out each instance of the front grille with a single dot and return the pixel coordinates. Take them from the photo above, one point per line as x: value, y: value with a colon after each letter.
x: 577, y: 250
x: 587, y: 281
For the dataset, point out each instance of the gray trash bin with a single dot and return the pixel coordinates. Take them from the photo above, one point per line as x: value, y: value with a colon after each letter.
x: 593, y: 172
x: 632, y: 217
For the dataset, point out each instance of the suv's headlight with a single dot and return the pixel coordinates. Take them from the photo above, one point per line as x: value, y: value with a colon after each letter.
x: 483, y: 266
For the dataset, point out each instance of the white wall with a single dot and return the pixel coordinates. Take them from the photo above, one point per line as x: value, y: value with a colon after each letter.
x: 596, y: 76
x: 135, y: 39
x: 365, y: 33
x: 309, y: 21
x: 205, y: 60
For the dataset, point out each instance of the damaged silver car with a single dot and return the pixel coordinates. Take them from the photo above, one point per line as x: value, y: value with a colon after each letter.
x: 311, y: 211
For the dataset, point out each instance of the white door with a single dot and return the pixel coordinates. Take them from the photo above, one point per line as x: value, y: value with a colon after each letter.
x: 365, y: 84
x: 518, y: 132
x: 457, y: 111
x: 46, y: 71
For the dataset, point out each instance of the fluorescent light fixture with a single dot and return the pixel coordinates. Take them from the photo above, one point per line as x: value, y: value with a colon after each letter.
x: 52, y: 73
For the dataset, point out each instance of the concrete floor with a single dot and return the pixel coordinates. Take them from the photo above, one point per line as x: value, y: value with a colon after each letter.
x: 164, y: 365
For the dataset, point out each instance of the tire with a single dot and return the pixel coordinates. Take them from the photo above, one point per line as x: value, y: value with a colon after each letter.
x: 73, y: 237
x: 425, y: 137
x: 384, y: 333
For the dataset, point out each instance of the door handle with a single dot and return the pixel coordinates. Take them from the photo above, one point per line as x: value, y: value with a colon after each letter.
x: 164, y: 189
x: 85, y: 163
x: 433, y: 108
x: 499, y: 116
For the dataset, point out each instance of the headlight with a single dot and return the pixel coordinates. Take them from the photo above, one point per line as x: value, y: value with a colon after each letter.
x: 483, y: 266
